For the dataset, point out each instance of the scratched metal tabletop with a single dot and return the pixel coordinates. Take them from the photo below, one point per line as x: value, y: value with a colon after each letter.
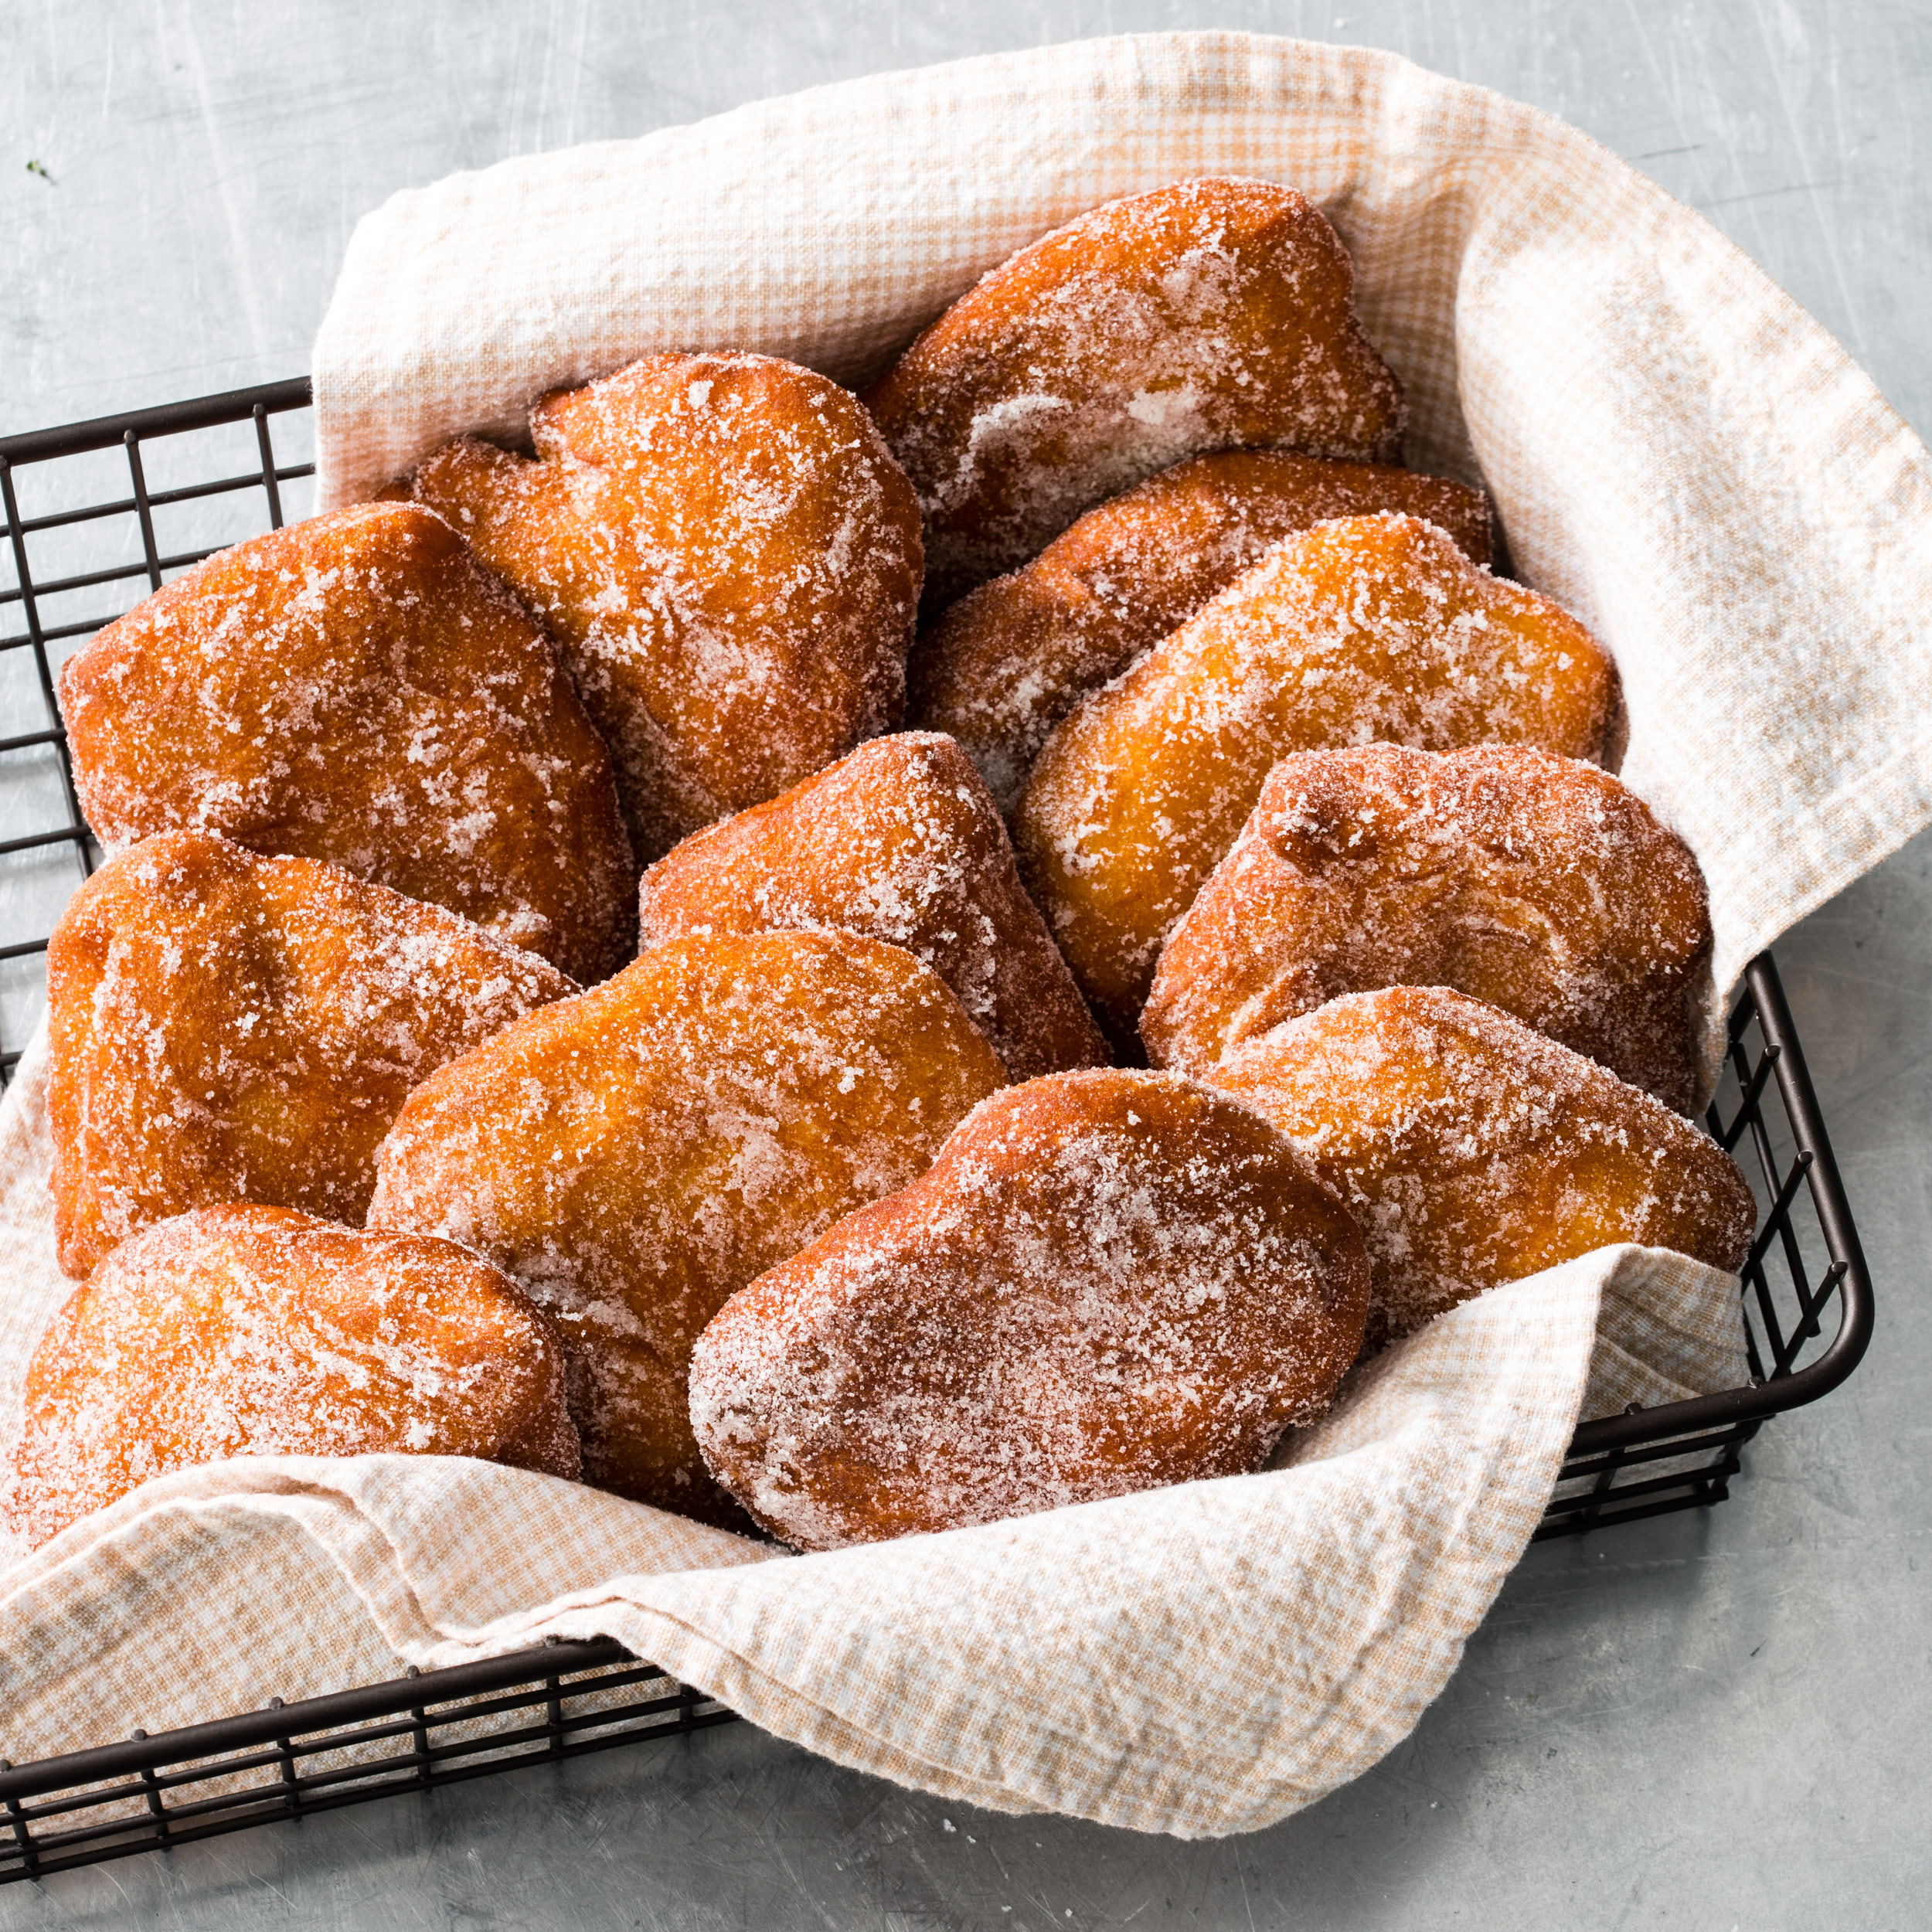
x: 1714, y: 1720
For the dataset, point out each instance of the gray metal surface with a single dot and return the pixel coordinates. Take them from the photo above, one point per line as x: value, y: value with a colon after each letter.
x: 1716, y: 1721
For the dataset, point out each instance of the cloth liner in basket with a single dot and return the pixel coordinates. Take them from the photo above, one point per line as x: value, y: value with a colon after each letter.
x: 1678, y: 453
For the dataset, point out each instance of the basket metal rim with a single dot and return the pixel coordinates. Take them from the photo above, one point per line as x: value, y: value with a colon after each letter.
x: 1737, y: 1411
x: 1757, y: 1401
x: 164, y: 419
x: 331, y: 1711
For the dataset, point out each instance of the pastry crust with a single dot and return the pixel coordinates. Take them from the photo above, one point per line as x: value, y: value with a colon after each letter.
x: 1214, y: 313
x: 899, y: 841
x: 731, y: 558
x: 1105, y: 1282
x: 1537, y: 883
x: 356, y: 689
x: 1365, y: 628
x: 1009, y: 661
x: 224, y: 1027
x: 635, y: 1155
x: 1472, y: 1150
x: 243, y: 1331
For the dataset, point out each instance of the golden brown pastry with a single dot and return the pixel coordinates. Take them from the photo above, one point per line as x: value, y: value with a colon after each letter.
x: 1008, y: 661
x: 1534, y: 882
x: 634, y: 1156
x: 731, y: 558
x: 1211, y: 315
x: 1473, y: 1150
x: 244, y: 1331
x: 356, y: 689
x: 1106, y: 1281
x: 1366, y: 628
x: 223, y: 1027
x: 899, y: 841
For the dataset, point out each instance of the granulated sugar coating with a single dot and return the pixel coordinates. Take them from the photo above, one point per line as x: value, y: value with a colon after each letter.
x: 1365, y: 628
x: 223, y: 1027
x: 356, y: 689
x: 732, y: 559
x: 1473, y: 1150
x: 1534, y: 882
x: 636, y: 1155
x: 1008, y: 661
x: 899, y: 841
x: 258, y: 1331
x: 1106, y: 1281
x: 1213, y: 314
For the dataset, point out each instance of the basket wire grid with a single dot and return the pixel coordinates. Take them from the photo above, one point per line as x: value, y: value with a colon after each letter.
x: 120, y: 506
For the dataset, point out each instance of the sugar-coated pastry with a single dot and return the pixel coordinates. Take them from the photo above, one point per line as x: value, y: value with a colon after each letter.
x: 1474, y: 1151
x: 1211, y: 315
x: 1366, y: 628
x: 1106, y: 1281
x: 731, y: 558
x: 1537, y: 883
x: 898, y: 840
x: 1009, y: 661
x: 245, y: 1330
x: 357, y: 689
x: 224, y: 1027
x: 635, y: 1155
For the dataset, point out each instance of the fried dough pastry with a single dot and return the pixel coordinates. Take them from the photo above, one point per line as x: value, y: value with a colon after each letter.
x: 223, y: 1027
x: 1211, y: 315
x: 1105, y: 1282
x: 899, y: 841
x: 1532, y: 881
x: 1473, y: 1150
x: 356, y: 689
x: 731, y: 558
x: 1008, y: 661
x: 1366, y: 628
x: 243, y: 1331
x: 635, y: 1155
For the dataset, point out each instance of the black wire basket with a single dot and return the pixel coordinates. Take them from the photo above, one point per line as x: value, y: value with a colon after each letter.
x: 98, y: 530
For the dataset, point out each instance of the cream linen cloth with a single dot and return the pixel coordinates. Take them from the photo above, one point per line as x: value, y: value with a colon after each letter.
x: 1678, y: 453
x: 1197, y: 1660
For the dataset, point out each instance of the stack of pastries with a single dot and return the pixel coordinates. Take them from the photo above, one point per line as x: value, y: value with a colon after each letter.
x: 1133, y: 915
